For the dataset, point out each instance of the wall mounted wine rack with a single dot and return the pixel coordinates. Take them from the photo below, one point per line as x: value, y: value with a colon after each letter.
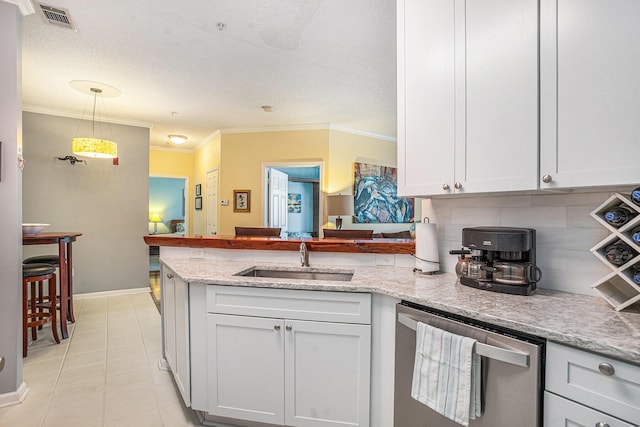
x: 618, y: 287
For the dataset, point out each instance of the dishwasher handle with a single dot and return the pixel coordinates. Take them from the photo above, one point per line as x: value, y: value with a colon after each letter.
x: 492, y: 352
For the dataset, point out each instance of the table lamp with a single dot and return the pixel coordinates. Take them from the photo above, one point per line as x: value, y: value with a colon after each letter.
x: 155, y: 219
x: 339, y: 204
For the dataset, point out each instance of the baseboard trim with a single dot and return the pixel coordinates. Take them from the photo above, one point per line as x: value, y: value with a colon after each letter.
x: 116, y: 293
x: 14, y: 397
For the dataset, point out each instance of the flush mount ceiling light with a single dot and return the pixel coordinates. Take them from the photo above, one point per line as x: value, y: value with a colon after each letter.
x: 177, y: 139
x: 94, y: 146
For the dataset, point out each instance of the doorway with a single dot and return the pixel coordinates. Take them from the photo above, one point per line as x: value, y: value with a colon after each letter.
x: 167, y: 215
x: 304, y: 203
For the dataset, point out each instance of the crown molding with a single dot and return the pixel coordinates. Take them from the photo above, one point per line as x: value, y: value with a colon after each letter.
x: 25, y: 6
x: 346, y: 129
x: 284, y: 128
x: 74, y: 115
x: 171, y: 148
x: 314, y: 126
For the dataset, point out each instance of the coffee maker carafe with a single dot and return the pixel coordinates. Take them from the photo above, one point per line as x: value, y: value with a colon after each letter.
x: 499, y: 259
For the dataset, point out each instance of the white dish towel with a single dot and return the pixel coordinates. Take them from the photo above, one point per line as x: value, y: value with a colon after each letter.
x: 446, y: 374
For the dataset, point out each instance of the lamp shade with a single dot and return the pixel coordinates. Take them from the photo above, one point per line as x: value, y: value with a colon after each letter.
x: 155, y: 217
x: 339, y: 204
x: 94, y: 147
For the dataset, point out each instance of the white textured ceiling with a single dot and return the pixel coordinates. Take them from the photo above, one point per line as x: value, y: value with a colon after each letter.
x: 314, y: 61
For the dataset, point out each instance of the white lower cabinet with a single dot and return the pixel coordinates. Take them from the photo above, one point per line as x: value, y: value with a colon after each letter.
x: 563, y: 412
x: 587, y: 389
x: 289, y: 371
x: 175, y: 330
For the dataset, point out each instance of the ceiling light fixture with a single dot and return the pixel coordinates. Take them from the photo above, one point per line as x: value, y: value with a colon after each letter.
x: 92, y: 146
x: 267, y: 108
x: 177, y: 139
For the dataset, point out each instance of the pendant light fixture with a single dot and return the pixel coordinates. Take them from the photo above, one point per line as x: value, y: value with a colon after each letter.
x: 94, y: 146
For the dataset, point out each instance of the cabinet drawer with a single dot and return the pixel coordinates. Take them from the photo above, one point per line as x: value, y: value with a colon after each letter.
x: 290, y: 304
x: 562, y: 412
x: 577, y: 375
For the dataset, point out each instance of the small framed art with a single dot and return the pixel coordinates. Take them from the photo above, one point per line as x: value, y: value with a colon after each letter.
x: 198, y: 205
x: 198, y: 189
x: 242, y: 200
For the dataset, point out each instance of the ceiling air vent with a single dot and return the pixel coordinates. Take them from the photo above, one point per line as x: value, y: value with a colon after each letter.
x: 55, y: 15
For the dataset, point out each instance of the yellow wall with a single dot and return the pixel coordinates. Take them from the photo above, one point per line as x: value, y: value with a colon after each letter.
x: 347, y: 149
x: 174, y: 164
x: 241, y: 169
x: 206, y: 157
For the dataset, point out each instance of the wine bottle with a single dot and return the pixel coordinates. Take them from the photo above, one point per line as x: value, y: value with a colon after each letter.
x: 618, y: 253
x: 636, y: 275
x: 635, y: 196
x: 619, y: 215
x: 635, y: 235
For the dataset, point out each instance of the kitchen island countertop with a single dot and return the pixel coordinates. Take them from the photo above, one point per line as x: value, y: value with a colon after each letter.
x: 582, y: 321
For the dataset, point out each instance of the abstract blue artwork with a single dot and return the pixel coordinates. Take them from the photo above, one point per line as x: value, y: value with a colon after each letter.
x: 376, y: 196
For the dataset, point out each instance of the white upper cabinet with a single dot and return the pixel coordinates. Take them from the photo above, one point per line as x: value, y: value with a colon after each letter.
x: 590, y: 93
x: 467, y: 96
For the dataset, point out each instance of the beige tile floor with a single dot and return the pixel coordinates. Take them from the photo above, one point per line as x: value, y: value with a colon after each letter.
x: 105, y: 374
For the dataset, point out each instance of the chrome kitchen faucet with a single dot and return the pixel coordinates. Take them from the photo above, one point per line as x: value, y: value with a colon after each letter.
x: 304, y: 255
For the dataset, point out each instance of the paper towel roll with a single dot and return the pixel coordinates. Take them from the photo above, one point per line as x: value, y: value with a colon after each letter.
x: 427, y: 259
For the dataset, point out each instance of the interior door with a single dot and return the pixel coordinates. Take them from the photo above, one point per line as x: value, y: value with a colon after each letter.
x: 212, y: 201
x: 278, y: 196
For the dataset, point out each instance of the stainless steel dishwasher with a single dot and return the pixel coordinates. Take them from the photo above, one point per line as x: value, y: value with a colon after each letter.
x: 512, y: 371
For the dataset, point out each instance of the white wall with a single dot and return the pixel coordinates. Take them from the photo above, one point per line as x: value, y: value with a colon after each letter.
x: 10, y: 205
x: 108, y: 204
x: 565, y: 231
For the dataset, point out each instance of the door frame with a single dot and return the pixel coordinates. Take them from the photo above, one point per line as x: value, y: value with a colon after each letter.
x: 292, y: 164
x: 187, y: 207
x: 206, y: 204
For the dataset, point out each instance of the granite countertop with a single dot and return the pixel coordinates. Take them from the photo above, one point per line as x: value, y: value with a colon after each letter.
x: 583, y: 321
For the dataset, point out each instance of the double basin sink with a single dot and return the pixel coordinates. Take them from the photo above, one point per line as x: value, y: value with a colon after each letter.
x: 303, y: 273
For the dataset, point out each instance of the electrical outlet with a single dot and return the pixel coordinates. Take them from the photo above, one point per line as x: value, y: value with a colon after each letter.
x: 385, y: 259
x: 196, y: 253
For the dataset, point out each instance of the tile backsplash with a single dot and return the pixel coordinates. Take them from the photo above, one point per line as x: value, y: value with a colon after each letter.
x: 565, y: 231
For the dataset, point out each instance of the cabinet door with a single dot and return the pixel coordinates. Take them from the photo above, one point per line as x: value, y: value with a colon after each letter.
x: 562, y: 412
x: 590, y: 92
x: 182, y: 371
x: 246, y: 370
x: 169, y: 318
x: 327, y: 374
x: 497, y: 78
x: 426, y: 134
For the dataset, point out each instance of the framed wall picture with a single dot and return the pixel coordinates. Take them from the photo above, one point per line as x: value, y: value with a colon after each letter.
x: 198, y: 205
x: 198, y: 189
x: 242, y: 200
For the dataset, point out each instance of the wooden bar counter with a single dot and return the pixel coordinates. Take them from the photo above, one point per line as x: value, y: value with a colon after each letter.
x: 371, y: 246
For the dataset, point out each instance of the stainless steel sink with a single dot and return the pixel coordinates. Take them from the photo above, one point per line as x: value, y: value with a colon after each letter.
x: 303, y: 274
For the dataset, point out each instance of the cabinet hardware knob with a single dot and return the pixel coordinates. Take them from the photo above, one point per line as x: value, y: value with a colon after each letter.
x: 169, y: 276
x: 457, y: 186
x: 601, y: 424
x: 276, y: 327
x: 547, y: 179
x: 288, y: 327
x: 606, y: 369
x: 445, y: 187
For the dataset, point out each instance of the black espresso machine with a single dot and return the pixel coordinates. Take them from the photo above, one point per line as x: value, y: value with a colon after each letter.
x: 499, y: 259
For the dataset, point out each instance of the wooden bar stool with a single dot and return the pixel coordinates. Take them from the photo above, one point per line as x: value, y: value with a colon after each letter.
x: 36, y: 314
x: 55, y: 261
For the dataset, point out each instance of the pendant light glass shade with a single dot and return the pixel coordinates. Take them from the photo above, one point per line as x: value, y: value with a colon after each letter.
x: 94, y: 147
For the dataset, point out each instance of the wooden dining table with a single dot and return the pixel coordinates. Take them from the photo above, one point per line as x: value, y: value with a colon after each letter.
x: 63, y: 239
